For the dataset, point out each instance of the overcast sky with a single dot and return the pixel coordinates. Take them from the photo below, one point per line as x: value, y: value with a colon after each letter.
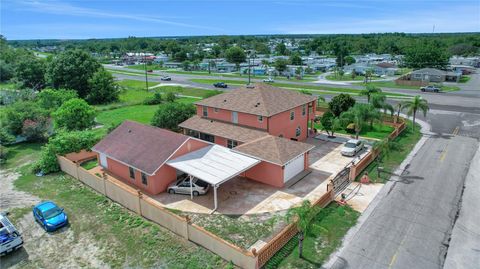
x: 62, y: 19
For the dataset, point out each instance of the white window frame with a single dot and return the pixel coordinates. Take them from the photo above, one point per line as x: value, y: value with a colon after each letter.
x: 231, y: 143
x: 130, y: 170
x: 235, y: 117
x: 304, y: 110
x: 298, y: 131
x: 205, y: 111
x: 216, y: 110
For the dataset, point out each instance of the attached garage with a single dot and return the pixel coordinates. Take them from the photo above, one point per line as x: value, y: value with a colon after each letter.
x: 294, y: 167
x: 282, y: 159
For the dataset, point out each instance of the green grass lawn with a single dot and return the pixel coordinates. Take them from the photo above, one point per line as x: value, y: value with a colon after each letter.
x: 127, y: 240
x: 464, y: 79
x: 378, y: 131
x: 324, y: 237
x: 90, y: 164
x: 347, y: 78
x: 142, y: 67
x: 306, y: 78
x: 140, y: 113
x: 187, y: 91
x: 401, y: 147
x: 391, y: 84
x: 8, y: 86
x: 136, y: 84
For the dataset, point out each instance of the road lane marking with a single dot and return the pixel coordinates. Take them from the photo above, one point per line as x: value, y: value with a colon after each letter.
x: 444, y: 153
x: 456, y: 130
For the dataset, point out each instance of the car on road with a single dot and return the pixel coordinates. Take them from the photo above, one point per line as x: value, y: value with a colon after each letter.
x: 182, y: 186
x: 150, y: 71
x: 352, y: 147
x: 50, y: 216
x: 166, y: 78
x: 430, y: 88
x: 220, y: 85
x: 10, y: 238
x: 269, y: 80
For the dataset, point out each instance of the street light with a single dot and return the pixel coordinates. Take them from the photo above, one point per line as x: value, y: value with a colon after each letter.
x: 145, y: 65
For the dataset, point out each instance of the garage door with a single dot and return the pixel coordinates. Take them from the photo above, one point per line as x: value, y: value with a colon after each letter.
x: 293, y: 167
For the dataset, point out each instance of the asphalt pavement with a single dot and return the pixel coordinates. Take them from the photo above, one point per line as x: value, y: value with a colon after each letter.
x: 420, y: 218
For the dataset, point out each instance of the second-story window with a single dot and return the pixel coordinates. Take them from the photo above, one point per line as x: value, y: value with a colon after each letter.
x: 205, y: 111
x: 235, y: 117
x: 298, y: 131
x: 216, y: 110
x: 304, y: 110
x: 260, y: 118
x: 292, y: 115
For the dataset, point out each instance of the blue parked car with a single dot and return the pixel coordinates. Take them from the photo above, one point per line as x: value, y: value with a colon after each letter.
x: 50, y: 216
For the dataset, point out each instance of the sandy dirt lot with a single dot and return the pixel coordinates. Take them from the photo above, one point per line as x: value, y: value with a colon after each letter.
x: 61, y: 249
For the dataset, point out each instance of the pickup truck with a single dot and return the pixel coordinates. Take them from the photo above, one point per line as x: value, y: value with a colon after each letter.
x: 10, y: 238
x: 430, y: 88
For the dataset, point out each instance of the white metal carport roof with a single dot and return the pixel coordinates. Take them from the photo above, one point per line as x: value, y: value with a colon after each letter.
x: 213, y: 164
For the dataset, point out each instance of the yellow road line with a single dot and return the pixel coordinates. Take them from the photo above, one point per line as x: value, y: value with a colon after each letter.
x: 394, y: 258
x: 456, y: 130
x: 444, y: 153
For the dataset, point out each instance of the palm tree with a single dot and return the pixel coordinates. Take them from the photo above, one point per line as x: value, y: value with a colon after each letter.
x: 369, y: 91
x: 358, y: 115
x: 412, y: 106
x: 211, y: 64
x: 379, y: 101
x: 399, y: 106
x: 303, y: 215
x: 368, y: 75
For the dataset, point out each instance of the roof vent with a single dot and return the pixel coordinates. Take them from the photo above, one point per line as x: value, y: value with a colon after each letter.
x: 129, y: 130
x: 224, y: 100
x: 258, y: 103
x: 211, y: 121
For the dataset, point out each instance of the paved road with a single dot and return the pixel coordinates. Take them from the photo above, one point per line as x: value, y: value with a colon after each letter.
x: 411, y: 226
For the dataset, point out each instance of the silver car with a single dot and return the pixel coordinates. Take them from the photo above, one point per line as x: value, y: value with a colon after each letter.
x: 352, y: 147
x: 182, y: 186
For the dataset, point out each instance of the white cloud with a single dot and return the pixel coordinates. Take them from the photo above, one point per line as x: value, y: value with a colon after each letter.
x: 62, y: 8
x: 446, y: 19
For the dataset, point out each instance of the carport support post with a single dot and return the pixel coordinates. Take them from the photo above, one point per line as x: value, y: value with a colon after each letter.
x: 215, y: 197
x: 191, y: 187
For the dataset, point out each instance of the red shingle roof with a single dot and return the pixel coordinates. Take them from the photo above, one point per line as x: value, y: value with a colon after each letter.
x: 143, y: 147
x: 262, y: 99
x: 274, y: 149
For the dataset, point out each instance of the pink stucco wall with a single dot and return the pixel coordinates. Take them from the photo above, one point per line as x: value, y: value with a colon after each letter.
x: 267, y: 173
x: 158, y: 182
x: 226, y: 115
x: 280, y: 124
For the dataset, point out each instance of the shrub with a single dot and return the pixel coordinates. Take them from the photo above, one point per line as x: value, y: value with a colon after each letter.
x: 156, y: 99
x: 75, y: 114
x: 171, y: 114
x: 61, y: 144
x: 35, y: 130
x: 170, y: 97
x: 51, y: 99
x: 341, y: 103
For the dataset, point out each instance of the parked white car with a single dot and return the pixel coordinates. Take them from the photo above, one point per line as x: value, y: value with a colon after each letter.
x: 269, y: 80
x: 182, y: 186
x: 10, y: 238
x: 352, y: 147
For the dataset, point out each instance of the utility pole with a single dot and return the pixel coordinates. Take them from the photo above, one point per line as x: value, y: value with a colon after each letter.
x: 249, y: 65
x: 146, y: 75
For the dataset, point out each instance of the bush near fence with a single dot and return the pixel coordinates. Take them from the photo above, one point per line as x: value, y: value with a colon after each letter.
x: 149, y: 208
